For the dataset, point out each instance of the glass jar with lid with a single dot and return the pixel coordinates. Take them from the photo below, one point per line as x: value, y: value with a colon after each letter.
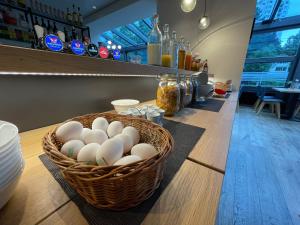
x: 189, y: 90
x: 183, y: 88
x: 196, y: 88
x: 168, y: 94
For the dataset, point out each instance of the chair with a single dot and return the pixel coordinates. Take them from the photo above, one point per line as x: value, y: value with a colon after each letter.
x: 297, y: 110
x: 261, y: 94
x: 267, y: 100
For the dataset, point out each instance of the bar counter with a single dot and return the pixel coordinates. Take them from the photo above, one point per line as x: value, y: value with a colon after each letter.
x: 191, y: 197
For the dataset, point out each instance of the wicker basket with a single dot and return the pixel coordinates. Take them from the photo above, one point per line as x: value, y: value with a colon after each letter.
x: 115, y: 187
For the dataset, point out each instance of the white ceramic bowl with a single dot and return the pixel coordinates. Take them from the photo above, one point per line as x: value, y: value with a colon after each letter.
x: 11, y: 160
x: 122, y: 105
x: 7, y: 192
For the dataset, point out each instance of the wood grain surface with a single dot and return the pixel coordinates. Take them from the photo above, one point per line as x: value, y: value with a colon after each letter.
x: 261, y: 184
x: 192, y: 196
x: 33, y: 60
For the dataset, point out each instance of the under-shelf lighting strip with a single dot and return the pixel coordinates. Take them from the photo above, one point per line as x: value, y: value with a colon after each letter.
x: 74, y: 74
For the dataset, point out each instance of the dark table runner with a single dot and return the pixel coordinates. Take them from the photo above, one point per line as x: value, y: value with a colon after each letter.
x: 211, y: 104
x: 185, y: 136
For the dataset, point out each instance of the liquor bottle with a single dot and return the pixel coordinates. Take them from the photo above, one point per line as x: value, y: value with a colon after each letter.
x: 54, y: 28
x: 166, y: 57
x: 181, y: 54
x: 74, y: 34
x: 43, y: 25
x: 205, y: 66
x: 154, y: 44
x: 174, y: 50
x: 49, y: 28
x: 74, y: 16
x: 80, y: 18
x: 188, y: 56
x: 69, y: 16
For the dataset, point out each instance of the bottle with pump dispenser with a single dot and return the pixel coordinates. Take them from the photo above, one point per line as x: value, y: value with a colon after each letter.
x: 154, y: 44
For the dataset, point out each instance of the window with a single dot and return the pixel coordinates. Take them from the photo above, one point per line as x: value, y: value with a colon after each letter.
x: 264, y: 9
x: 130, y: 35
x: 266, y: 74
x: 288, y: 8
x: 274, y: 44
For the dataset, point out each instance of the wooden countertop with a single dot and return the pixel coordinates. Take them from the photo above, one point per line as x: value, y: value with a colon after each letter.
x: 46, y: 63
x: 191, y: 197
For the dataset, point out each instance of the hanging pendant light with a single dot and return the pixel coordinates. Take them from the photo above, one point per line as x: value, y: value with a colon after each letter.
x: 188, y: 5
x: 204, y: 22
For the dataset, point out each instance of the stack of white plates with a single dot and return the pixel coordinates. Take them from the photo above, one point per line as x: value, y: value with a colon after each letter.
x: 11, y: 160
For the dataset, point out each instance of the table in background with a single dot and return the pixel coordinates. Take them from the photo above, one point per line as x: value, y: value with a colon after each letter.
x: 292, y: 99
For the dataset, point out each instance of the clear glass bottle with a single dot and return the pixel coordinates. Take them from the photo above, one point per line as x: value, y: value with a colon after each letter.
x: 174, y: 50
x: 181, y: 54
x: 168, y: 94
x: 154, y: 44
x: 189, y: 91
x: 188, y: 56
x: 166, y: 57
x: 183, y: 89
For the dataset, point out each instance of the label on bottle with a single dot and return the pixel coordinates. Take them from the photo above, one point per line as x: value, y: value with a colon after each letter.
x: 77, y: 47
x: 92, y: 50
x: 53, y: 43
x: 116, y: 54
x: 103, y: 52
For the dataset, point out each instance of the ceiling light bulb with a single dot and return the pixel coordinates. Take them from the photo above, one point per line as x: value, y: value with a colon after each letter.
x: 108, y: 46
x: 109, y: 42
x: 114, y: 47
x: 94, y: 7
x: 204, y: 23
x: 119, y: 47
x: 188, y: 5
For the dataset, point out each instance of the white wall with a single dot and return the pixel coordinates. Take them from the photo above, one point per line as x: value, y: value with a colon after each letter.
x: 135, y: 11
x: 225, y: 42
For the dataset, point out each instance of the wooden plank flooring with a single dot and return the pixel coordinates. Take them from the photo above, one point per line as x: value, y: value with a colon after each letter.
x: 262, y: 179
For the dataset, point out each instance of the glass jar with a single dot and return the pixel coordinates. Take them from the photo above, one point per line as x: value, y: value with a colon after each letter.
x: 168, y: 94
x: 183, y: 88
x: 196, y: 88
x: 189, y: 91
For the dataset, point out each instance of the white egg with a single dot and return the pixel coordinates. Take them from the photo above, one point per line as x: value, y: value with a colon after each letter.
x: 109, y: 152
x: 133, y: 133
x: 84, y: 132
x: 127, y: 160
x: 100, y: 123
x: 69, y: 131
x: 126, y: 140
x: 94, y: 136
x: 144, y: 150
x: 88, y: 153
x: 71, y: 148
x: 114, y: 128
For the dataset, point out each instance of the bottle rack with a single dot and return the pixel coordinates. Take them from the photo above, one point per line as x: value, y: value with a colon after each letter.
x: 29, y: 13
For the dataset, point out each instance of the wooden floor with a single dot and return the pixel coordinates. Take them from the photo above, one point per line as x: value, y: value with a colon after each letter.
x: 262, y: 179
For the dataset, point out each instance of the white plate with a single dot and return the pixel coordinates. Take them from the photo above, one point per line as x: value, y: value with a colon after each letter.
x: 8, y: 132
x: 7, y: 192
x: 10, y: 156
x: 14, y: 173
